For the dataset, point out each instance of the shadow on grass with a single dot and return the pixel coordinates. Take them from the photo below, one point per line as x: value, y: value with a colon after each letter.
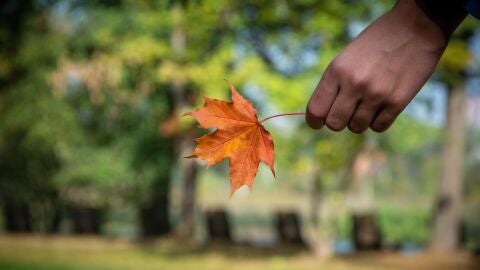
x: 177, y: 248
x: 82, y: 253
x: 16, y: 265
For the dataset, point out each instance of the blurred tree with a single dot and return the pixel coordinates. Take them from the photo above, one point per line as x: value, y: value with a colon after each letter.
x: 184, y: 142
x: 34, y: 127
x: 108, y: 91
x: 108, y: 77
x: 472, y: 190
x: 452, y: 70
x: 16, y: 212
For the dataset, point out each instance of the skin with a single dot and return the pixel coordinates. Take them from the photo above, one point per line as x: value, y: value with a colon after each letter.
x: 375, y: 77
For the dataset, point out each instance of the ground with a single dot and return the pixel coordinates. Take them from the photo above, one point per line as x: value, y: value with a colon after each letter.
x: 23, y: 252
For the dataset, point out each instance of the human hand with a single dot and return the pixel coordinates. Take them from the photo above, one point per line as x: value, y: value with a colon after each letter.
x: 380, y: 72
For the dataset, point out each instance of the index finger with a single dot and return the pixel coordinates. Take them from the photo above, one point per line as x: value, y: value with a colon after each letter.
x: 321, y: 100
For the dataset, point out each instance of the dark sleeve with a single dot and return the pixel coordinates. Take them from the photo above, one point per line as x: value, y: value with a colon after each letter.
x: 473, y: 7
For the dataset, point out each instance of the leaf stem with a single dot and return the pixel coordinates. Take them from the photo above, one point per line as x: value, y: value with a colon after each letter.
x: 282, y: 114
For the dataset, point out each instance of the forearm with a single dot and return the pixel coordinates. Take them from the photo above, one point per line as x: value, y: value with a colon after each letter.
x: 433, y: 16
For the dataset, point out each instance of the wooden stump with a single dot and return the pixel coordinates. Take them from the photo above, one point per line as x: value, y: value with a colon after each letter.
x: 17, y: 217
x: 86, y: 220
x: 288, y: 228
x: 154, y: 217
x: 366, y: 233
x: 218, y: 225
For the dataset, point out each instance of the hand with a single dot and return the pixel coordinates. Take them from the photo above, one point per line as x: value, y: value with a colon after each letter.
x: 380, y: 72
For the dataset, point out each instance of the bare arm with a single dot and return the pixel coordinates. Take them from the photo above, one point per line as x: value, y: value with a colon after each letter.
x: 375, y: 77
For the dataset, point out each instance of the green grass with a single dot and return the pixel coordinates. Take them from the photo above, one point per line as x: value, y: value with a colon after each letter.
x: 15, y: 265
x: 70, y: 253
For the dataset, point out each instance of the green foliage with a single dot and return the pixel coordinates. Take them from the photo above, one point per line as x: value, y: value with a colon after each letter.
x: 86, y: 88
x: 398, y: 225
x: 404, y: 226
x: 457, y: 57
x: 343, y: 227
x: 408, y: 135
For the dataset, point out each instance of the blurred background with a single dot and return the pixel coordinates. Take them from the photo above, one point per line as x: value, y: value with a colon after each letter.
x: 92, y: 140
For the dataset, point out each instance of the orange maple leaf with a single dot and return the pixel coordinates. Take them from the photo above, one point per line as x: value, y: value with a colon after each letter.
x: 239, y: 136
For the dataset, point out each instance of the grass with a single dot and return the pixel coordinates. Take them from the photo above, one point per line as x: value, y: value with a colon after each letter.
x: 88, y: 253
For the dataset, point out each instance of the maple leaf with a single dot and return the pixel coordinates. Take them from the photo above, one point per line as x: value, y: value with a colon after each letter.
x: 239, y: 136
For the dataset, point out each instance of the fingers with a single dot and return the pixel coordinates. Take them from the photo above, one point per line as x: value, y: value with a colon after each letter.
x: 384, y: 119
x: 355, y: 100
x: 341, y: 111
x: 363, y: 116
x: 321, y: 100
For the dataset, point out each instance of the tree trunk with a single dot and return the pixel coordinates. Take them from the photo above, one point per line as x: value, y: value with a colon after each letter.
x: 57, y: 216
x: 184, y: 142
x: 218, y: 225
x: 187, y: 225
x: 361, y: 172
x: 17, y: 217
x: 154, y: 216
x: 289, y: 229
x: 316, y: 199
x: 366, y: 233
x: 448, y: 208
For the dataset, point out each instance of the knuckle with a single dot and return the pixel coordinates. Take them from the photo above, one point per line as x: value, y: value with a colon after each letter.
x: 337, y: 68
x: 375, y: 94
x: 314, y: 125
x: 394, y: 110
x: 384, y: 121
x: 335, y: 124
x: 359, y: 81
x: 393, y: 104
x: 315, y: 114
x: 314, y: 119
x: 380, y: 126
x: 357, y: 127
